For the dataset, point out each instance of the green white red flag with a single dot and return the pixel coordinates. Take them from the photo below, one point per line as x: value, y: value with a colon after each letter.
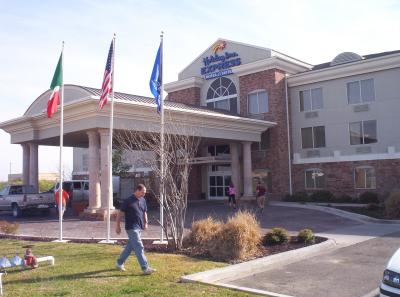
x: 56, y: 84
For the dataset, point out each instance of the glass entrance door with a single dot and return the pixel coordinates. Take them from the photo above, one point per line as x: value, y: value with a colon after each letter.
x: 218, y: 186
x: 219, y: 176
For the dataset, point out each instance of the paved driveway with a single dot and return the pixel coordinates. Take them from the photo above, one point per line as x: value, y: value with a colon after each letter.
x: 351, y: 271
x: 290, y: 218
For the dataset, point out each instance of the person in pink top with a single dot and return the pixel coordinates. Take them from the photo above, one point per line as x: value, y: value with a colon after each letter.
x: 232, y: 195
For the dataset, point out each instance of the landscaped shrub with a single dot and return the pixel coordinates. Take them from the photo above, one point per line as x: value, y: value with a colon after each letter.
x: 289, y: 198
x: 343, y: 198
x: 306, y: 236
x: 373, y: 206
x: 301, y: 197
x: 202, y: 233
x: 276, y: 236
x: 322, y: 196
x: 369, y: 197
x: 237, y: 239
x: 392, y: 205
x: 8, y: 228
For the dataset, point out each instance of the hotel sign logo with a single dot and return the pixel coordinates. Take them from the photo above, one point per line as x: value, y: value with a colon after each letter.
x: 219, y: 64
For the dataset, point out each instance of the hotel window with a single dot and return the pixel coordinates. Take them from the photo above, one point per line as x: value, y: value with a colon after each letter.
x: 363, y: 132
x: 314, y: 179
x: 311, y: 99
x: 313, y: 137
x: 361, y: 91
x: 222, y: 94
x: 257, y: 102
x: 364, y: 178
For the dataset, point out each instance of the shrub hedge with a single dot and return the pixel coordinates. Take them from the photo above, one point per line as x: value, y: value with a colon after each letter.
x: 306, y: 236
x: 276, y: 236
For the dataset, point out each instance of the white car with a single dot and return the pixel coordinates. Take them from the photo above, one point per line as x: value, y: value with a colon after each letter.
x: 390, y: 285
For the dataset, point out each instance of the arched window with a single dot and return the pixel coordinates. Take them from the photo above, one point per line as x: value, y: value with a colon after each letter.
x: 222, y: 94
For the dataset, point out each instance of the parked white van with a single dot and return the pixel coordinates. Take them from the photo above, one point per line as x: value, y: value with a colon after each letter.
x: 78, y: 190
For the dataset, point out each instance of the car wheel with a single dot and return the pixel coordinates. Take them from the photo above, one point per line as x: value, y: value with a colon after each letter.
x: 16, y: 211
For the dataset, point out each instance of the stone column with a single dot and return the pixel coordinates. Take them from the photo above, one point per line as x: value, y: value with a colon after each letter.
x: 25, y: 163
x: 235, y: 166
x: 34, y: 165
x: 94, y: 172
x: 105, y: 172
x: 247, y: 170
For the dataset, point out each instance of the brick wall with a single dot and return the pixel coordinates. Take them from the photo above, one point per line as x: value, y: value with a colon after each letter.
x: 189, y: 96
x: 195, y: 183
x: 276, y: 157
x: 339, y: 176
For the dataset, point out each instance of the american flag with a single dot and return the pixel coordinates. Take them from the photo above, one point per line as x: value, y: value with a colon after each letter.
x: 106, y: 88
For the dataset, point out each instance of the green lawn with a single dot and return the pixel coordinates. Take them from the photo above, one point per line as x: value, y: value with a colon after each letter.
x: 88, y: 270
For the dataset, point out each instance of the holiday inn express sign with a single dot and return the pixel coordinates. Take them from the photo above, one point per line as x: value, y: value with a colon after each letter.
x: 218, y: 65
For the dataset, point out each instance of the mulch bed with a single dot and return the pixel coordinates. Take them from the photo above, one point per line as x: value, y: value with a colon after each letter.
x: 263, y: 251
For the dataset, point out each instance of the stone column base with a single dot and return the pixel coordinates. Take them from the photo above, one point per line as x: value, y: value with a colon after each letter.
x: 248, y: 198
x: 98, y: 214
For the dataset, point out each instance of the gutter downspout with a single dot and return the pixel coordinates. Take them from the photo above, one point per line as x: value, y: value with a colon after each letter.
x: 288, y: 136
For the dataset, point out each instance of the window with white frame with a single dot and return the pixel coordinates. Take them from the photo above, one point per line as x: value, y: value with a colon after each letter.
x: 257, y: 102
x: 314, y: 178
x: 313, y: 137
x: 361, y: 91
x: 364, y: 178
x: 222, y: 94
x: 363, y: 132
x: 311, y: 99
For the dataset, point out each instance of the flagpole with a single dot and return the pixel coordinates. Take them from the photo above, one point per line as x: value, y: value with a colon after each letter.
x: 110, y: 152
x: 60, y: 190
x: 162, y: 188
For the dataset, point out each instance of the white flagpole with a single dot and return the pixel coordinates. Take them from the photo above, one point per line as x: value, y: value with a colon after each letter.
x: 60, y: 188
x: 162, y: 190
x: 110, y: 152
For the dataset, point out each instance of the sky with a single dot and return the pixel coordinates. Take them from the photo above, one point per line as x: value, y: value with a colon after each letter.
x: 32, y: 31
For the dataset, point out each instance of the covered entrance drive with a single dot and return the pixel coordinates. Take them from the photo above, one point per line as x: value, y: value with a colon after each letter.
x: 85, y: 125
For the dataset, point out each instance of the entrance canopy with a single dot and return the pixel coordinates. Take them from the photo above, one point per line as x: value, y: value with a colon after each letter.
x: 131, y: 112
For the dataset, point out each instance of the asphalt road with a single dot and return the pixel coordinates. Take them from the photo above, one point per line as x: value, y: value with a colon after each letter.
x: 346, y: 272
x: 293, y: 219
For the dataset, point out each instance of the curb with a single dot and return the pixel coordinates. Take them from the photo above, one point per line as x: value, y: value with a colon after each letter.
x: 339, y: 212
x: 249, y: 290
x: 215, y: 276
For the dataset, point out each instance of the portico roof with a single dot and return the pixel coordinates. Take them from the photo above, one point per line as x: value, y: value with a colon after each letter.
x: 131, y: 112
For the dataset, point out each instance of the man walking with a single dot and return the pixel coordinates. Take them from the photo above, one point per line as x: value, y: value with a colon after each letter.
x: 135, y: 210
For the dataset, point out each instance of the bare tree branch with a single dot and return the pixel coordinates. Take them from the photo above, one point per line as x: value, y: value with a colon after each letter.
x: 180, y: 146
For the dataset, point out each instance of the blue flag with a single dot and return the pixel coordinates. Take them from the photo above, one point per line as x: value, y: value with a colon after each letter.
x: 156, y: 79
